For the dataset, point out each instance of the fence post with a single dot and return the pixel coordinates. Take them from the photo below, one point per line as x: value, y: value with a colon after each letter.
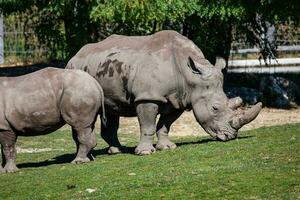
x: 1, y: 40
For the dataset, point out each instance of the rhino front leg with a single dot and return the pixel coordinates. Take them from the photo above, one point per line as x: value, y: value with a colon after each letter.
x: 110, y: 133
x: 146, y: 113
x: 163, y: 128
x: 8, y: 141
x: 85, y: 140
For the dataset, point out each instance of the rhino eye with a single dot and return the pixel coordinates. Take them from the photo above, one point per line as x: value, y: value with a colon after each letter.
x: 215, y: 108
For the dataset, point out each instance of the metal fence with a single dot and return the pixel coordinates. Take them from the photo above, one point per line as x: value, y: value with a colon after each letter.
x: 17, y: 47
x: 21, y: 43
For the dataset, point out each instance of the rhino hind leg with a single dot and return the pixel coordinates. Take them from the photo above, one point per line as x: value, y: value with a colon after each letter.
x: 147, y: 113
x: 163, y: 128
x: 9, y: 152
x: 110, y: 134
x: 85, y: 140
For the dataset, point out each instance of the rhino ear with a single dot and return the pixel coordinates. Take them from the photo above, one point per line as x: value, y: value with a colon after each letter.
x: 220, y: 63
x: 193, y: 67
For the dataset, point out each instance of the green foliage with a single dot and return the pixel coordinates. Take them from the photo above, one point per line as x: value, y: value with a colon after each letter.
x: 203, y: 21
x: 71, y: 18
x: 10, y: 6
x: 136, y: 16
x: 261, y: 164
x: 209, y: 23
x: 20, y: 41
x: 48, y: 27
x: 224, y: 9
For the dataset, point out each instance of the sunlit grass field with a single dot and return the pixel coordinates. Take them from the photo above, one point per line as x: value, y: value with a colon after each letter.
x: 261, y: 164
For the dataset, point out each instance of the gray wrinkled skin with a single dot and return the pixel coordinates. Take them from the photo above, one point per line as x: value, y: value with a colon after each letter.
x: 164, y: 74
x: 43, y: 101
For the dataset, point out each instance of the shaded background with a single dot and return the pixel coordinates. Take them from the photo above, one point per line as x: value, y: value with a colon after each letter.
x: 39, y: 33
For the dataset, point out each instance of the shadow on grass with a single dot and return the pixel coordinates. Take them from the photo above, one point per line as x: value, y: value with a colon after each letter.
x: 67, y: 158
x: 124, y: 149
x: 62, y: 159
x: 208, y: 140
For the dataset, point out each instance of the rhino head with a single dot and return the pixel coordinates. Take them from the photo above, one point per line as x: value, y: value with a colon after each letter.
x: 219, y: 116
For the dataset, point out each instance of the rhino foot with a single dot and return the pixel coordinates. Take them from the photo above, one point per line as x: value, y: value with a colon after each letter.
x: 144, y: 149
x: 10, y: 168
x: 114, y: 150
x: 80, y: 160
x: 164, y: 145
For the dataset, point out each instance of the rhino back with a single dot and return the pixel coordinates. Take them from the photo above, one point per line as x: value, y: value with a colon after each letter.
x: 156, y: 43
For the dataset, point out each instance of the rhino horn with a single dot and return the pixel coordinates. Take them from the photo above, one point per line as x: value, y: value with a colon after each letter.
x: 234, y: 103
x: 246, y: 117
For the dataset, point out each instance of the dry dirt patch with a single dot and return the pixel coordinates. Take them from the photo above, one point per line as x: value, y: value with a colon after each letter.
x: 35, y: 150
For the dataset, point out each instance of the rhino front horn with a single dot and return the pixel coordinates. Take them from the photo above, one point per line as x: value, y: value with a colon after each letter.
x: 246, y: 117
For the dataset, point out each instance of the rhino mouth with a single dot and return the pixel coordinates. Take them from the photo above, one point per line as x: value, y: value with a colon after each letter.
x: 223, y: 135
x: 226, y: 136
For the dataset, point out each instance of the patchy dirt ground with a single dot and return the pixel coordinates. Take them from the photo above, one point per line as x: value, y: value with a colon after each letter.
x: 187, y: 125
x: 35, y: 150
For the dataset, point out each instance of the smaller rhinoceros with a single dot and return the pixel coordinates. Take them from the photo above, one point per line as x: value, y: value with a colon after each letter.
x: 42, y: 102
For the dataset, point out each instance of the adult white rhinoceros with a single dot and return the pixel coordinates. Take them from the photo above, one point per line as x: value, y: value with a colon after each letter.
x: 164, y: 73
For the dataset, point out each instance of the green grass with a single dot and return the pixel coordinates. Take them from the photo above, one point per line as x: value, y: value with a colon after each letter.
x: 261, y: 164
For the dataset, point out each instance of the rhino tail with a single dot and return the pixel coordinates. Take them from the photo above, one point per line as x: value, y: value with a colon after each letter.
x: 103, y: 114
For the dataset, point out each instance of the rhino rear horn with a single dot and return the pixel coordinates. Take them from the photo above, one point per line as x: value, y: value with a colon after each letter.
x: 248, y: 116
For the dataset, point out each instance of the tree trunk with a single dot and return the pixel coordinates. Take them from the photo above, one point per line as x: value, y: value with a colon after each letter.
x: 77, y: 26
x: 154, y: 27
